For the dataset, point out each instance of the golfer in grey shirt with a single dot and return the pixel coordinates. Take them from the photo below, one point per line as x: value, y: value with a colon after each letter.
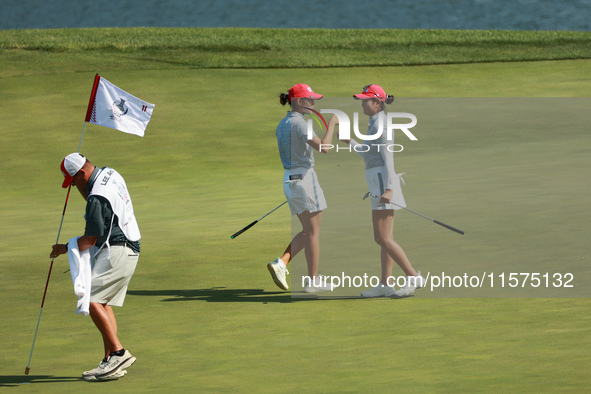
x: 300, y: 184
x: 384, y: 183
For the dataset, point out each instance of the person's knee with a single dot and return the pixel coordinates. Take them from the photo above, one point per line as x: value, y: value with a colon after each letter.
x: 314, y: 230
x: 93, y: 308
x: 380, y: 239
x: 96, y: 306
x: 313, y: 233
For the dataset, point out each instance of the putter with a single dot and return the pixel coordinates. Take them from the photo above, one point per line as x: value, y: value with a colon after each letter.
x: 370, y: 194
x: 256, y: 221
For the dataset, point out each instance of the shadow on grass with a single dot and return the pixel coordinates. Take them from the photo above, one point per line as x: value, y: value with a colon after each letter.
x: 17, y: 380
x: 222, y: 294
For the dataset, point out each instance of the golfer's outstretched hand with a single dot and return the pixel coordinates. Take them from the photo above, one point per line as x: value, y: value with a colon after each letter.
x: 58, y: 249
x: 386, y: 197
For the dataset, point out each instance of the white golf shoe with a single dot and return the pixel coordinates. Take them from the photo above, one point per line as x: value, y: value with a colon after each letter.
x: 319, y: 283
x: 412, y: 283
x: 380, y: 290
x: 113, y: 376
x: 100, y: 370
x: 90, y: 375
x: 115, y: 364
x: 278, y: 271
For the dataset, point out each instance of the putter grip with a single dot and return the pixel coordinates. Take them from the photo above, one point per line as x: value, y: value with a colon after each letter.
x: 449, y: 227
x: 244, y: 229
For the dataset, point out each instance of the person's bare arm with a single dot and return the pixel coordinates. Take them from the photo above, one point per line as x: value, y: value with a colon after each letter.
x: 84, y: 242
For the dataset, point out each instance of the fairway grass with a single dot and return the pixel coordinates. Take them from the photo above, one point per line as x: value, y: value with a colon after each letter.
x: 202, y: 313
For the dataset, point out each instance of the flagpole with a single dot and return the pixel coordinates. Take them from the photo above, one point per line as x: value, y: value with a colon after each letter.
x: 82, y: 136
x: 47, y: 284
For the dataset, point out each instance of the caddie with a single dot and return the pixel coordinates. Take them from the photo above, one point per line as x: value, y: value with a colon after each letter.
x: 111, y: 227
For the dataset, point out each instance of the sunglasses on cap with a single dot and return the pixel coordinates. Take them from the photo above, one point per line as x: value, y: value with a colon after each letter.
x: 368, y: 88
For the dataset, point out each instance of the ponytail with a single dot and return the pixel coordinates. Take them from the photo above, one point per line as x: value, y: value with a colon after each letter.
x: 389, y: 100
x: 284, y: 98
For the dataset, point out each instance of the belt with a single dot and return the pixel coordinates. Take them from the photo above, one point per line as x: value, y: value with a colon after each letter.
x: 120, y: 244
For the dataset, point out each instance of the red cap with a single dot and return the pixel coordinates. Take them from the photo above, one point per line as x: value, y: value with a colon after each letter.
x: 303, y: 90
x: 372, y: 91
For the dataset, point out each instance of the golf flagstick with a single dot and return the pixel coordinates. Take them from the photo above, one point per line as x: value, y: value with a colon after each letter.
x: 88, y: 114
x: 47, y: 283
x: 256, y: 221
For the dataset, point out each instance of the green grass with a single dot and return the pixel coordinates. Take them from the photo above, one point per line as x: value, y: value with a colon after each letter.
x: 27, y: 52
x: 202, y: 314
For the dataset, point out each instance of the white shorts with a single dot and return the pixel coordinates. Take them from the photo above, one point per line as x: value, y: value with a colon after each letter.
x: 303, y: 194
x: 376, y: 182
x: 110, y: 276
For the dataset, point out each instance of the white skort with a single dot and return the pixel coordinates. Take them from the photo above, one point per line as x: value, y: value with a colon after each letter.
x: 376, y: 178
x: 305, y: 194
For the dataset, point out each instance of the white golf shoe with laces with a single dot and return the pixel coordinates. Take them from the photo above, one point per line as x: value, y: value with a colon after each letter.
x: 90, y: 375
x: 380, y: 290
x: 319, y: 283
x: 412, y: 283
x: 279, y: 271
x: 100, y: 370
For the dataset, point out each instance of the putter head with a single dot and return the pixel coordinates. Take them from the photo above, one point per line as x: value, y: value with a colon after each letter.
x: 366, y: 195
x: 369, y: 194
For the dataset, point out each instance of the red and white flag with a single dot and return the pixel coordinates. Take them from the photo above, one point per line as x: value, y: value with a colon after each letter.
x: 113, y: 107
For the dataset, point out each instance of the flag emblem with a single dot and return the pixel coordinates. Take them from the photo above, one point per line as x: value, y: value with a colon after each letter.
x: 119, y: 109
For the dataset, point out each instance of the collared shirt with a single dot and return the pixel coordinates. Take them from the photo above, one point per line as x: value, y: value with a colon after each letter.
x: 98, y: 219
x: 90, y: 183
x: 374, y: 157
x: 292, y: 141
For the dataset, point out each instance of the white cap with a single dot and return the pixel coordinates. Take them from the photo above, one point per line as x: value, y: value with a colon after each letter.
x: 70, y: 167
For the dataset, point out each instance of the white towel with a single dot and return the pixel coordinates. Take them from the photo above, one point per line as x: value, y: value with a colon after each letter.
x: 81, y: 270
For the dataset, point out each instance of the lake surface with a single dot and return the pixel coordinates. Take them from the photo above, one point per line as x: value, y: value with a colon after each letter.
x: 396, y: 14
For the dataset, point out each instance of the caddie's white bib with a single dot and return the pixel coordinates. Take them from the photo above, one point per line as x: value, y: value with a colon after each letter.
x: 111, y: 185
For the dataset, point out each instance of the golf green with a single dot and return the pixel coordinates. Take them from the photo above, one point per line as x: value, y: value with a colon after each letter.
x: 202, y: 313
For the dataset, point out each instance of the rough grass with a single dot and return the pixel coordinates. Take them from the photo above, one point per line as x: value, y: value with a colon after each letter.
x: 29, y: 51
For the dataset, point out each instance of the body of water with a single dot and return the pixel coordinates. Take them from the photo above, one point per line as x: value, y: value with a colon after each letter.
x: 395, y: 14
